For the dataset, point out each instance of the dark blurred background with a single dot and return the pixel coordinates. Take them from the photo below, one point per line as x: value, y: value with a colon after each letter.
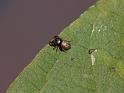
x: 26, y: 26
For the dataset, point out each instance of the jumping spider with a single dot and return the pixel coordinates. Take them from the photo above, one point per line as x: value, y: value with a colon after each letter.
x: 57, y: 42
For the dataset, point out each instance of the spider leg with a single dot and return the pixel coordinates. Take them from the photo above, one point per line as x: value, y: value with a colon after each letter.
x: 56, y: 49
x: 60, y: 48
x: 64, y: 51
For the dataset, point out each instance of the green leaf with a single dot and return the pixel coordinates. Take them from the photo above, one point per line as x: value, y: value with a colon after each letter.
x: 100, y: 30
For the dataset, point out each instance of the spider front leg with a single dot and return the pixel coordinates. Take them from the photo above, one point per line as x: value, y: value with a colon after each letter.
x: 56, y: 49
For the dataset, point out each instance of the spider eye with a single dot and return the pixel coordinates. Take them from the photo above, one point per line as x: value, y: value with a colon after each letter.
x: 58, y: 41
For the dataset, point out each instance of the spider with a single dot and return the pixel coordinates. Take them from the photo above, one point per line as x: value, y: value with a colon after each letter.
x: 57, y: 42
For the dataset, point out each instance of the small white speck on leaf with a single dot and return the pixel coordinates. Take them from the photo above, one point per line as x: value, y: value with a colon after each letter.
x: 93, y: 30
x: 93, y: 56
